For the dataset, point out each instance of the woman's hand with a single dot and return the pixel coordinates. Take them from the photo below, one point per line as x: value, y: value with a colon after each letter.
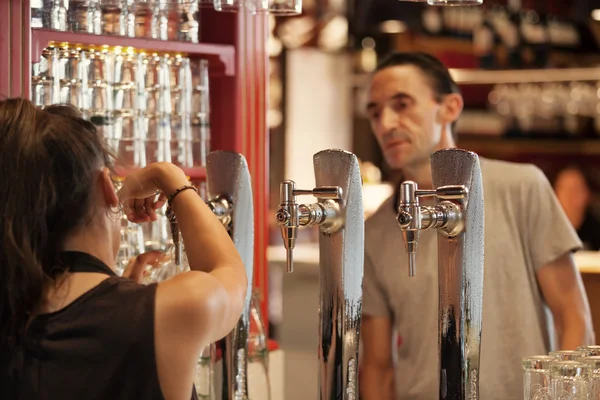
x: 144, y: 191
x: 137, y: 266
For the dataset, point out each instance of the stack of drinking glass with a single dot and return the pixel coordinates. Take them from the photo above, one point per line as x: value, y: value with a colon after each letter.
x: 174, y: 20
x: 149, y: 107
x: 563, y: 375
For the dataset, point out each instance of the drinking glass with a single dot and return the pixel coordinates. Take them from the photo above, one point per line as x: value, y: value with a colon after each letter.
x: 84, y: 16
x: 116, y: 18
x: 257, y: 6
x: 569, y: 380
x: 567, y: 355
x: 228, y: 5
x: 592, y: 350
x: 536, y: 377
x: 257, y: 344
x: 594, y: 384
x: 205, y: 371
x: 285, y: 7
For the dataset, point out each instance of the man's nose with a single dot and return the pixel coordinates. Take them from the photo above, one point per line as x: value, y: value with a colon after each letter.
x: 389, y: 119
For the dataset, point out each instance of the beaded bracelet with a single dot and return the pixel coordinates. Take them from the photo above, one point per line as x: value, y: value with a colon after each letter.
x: 176, y: 192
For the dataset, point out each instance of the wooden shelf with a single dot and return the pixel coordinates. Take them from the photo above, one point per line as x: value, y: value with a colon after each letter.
x: 546, y: 146
x: 221, y: 57
x: 411, y: 40
x: 482, y: 77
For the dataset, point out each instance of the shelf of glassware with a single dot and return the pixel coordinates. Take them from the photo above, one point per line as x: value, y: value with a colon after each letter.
x: 221, y: 57
x: 500, y: 145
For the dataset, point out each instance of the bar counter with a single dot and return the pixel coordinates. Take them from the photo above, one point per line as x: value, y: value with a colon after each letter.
x: 588, y: 263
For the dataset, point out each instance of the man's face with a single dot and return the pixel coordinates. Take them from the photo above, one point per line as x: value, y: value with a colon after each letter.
x: 404, y: 115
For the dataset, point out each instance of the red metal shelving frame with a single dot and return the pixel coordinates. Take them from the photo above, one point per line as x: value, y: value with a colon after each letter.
x: 221, y: 57
x: 236, y: 45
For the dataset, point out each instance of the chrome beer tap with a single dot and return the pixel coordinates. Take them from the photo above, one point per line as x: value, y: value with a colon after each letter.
x: 340, y: 217
x: 230, y: 198
x: 176, y: 235
x: 458, y: 216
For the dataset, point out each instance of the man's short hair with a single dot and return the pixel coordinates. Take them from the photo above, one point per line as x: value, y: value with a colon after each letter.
x: 434, y: 70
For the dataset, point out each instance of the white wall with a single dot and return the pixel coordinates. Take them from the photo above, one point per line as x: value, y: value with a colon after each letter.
x: 318, y: 111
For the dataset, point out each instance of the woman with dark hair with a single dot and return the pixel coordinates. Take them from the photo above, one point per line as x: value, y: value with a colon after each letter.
x: 70, y: 328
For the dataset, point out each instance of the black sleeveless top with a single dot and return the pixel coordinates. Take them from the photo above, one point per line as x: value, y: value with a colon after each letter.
x: 101, y: 346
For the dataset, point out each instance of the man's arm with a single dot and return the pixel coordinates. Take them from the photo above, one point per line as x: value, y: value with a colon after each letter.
x: 377, y: 368
x: 562, y: 288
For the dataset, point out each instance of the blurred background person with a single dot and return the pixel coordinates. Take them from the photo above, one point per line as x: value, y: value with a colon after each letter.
x: 573, y: 191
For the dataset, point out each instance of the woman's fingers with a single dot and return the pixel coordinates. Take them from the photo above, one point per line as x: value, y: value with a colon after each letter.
x: 144, y: 210
x: 139, y: 207
x: 136, y: 266
x: 162, y: 199
x: 149, y: 208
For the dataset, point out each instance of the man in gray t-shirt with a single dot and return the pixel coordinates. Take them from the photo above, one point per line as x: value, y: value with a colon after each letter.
x: 530, y: 282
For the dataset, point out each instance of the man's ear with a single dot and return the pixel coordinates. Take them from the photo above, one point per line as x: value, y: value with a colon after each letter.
x: 452, y: 106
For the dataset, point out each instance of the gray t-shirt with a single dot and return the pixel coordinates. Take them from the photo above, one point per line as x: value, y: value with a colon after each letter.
x: 525, y: 229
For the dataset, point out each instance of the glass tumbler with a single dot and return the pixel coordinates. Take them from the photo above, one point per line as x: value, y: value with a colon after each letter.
x: 593, y: 350
x: 257, y: 6
x: 536, y: 377
x: 285, y: 7
x: 205, y: 372
x: 114, y: 17
x: 567, y: 355
x: 257, y: 346
x: 569, y: 380
x: 594, y: 385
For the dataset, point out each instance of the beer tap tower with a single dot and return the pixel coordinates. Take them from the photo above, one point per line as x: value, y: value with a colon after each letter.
x: 230, y: 198
x: 339, y: 215
x: 458, y: 216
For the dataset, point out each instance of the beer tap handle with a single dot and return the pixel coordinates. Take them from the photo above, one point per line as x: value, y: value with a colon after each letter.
x: 290, y: 213
x: 175, y: 234
x: 412, y: 218
x: 288, y: 219
x: 322, y: 192
x: 450, y: 192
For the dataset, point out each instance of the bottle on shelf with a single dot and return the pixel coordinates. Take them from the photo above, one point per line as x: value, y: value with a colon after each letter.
x: 511, y: 35
x: 534, y: 30
x: 484, y: 41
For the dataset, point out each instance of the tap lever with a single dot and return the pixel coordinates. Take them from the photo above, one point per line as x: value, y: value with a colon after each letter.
x: 450, y: 192
x: 412, y: 217
x: 291, y: 215
x: 175, y: 233
x: 288, y: 219
x: 322, y: 192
